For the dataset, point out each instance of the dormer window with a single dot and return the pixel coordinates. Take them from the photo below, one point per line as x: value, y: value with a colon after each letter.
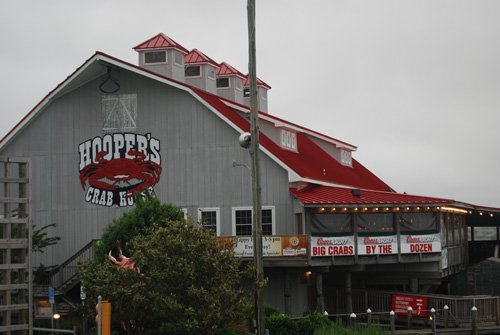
x: 223, y: 82
x: 238, y: 84
x: 155, y: 57
x: 288, y: 140
x: 345, y: 158
x: 193, y: 71
x: 178, y: 58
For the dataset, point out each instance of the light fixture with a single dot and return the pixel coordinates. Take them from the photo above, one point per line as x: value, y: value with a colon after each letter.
x: 56, y: 316
x: 322, y: 209
x: 491, y: 214
x: 454, y: 210
x: 418, y: 208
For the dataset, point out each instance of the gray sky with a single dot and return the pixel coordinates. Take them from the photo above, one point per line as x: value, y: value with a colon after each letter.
x: 414, y: 84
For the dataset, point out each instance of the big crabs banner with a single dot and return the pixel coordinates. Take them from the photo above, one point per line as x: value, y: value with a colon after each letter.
x: 332, y: 246
x: 116, y: 167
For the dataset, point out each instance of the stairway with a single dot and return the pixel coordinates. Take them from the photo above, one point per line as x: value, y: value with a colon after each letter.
x: 65, y: 276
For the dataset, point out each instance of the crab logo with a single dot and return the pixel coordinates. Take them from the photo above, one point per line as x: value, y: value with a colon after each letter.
x: 117, y: 167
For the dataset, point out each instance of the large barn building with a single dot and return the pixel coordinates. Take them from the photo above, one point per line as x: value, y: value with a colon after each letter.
x: 171, y: 124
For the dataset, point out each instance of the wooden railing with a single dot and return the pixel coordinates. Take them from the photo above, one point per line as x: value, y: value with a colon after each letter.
x: 460, y: 307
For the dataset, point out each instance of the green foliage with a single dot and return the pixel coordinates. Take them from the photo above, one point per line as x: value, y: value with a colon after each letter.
x: 147, y: 213
x: 187, y: 284
x: 40, y: 240
x: 281, y: 324
x: 310, y: 322
x: 338, y: 328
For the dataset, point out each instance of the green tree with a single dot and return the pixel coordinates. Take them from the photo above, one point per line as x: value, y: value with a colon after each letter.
x: 148, y: 211
x: 187, y: 284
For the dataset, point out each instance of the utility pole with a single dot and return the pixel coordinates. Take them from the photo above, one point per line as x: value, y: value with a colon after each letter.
x: 256, y: 190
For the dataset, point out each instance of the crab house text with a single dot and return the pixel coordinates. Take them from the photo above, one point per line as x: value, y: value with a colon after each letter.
x: 116, y: 167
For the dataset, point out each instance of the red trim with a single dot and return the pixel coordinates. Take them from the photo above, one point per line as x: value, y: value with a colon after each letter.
x: 227, y: 70
x: 324, y: 195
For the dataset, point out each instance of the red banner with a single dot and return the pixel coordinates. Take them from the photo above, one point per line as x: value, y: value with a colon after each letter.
x: 400, y: 304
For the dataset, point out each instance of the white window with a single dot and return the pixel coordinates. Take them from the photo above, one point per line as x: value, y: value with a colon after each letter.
x: 238, y: 84
x: 263, y: 94
x: 192, y: 71
x: 288, y: 140
x: 209, y: 218
x: 242, y: 221
x: 345, y: 157
x: 119, y: 112
x: 178, y: 58
x: 211, y: 73
x: 155, y: 57
x: 246, y: 93
x: 185, y: 212
x: 223, y: 82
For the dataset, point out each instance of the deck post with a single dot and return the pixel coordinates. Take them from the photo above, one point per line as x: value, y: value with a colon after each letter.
x: 392, y: 318
x: 433, y: 321
x: 369, y: 317
x: 446, y: 311
x: 410, y: 313
x: 348, y: 293
x: 320, y: 300
x: 474, y: 320
x: 498, y: 311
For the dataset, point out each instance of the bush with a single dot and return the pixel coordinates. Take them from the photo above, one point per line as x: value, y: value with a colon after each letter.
x: 311, y: 322
x: 281, y: 324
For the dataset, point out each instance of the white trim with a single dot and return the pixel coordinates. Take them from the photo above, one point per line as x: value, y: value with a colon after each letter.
x: 217, y: 217
x: 156, y: 63
x: 246, y: 208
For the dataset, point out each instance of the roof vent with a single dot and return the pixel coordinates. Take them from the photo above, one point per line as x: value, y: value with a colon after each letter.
x: 356, y: 192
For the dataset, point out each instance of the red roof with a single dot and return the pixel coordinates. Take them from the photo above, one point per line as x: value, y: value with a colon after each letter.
x: 324, y: 195
x: 227, y: 70
x: 198, y: 57
x: 310, y: 162
x: 161, y: 41
x: 259, y: 83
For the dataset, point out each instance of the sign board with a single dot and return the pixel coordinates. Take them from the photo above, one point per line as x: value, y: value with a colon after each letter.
x: 328, y: 246
x: 272, y: 246
x: 51, y: 295
x: 400, y: 304
x: 414, y: 244
x: 377, y: 245
x: 43, y: 308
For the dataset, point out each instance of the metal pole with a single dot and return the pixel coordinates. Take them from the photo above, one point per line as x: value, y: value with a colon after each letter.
x: 256, y: 190
x: 410, y: 314
x: 99, y: 315
x: 446, y: 311
x: 433, y: 321
x: 392, y: 319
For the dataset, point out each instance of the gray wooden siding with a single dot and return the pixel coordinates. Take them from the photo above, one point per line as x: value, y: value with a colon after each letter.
x: 197, y: 150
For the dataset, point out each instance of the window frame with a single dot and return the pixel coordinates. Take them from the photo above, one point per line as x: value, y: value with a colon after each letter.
x: 181, y: 64
x: 223, y: 87
x: 246, y: 208
x: 217, y: 217
x: 153, y: 63
x: 193, y: 66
